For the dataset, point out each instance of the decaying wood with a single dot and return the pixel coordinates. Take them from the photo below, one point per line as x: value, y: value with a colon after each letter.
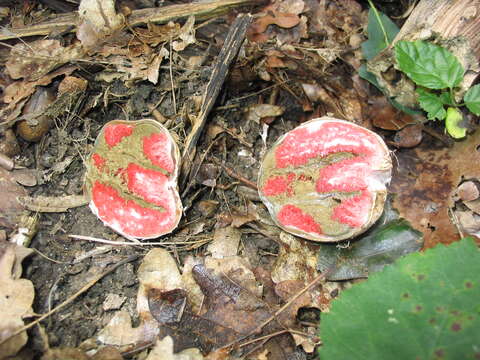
x: 453, y: 24
x: 69, y: 22
x: 53, y: 204
x: 232, y: 44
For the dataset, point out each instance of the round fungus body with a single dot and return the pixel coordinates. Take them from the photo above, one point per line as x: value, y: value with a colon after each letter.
x: 131, y: 179
x: 326, y: 179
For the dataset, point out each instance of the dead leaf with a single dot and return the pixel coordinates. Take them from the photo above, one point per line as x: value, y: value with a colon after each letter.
x: 99, y: 20
x: 25, y: 177
x: 72, y: 84
x: 113, y: 302
x: 468, y: 191
x: 186, y: 35
x: 157, y: 271
x: 207, y: 207
x: 17, y: 93
x: 105, y: 353
x: 16, y: 299
x: 469, y: 222
x: 410, y: 136
x: 425, y: 180
x: 260, y: 111
x: 384, y: 116
x: 10, y: 192
x: 37, y: 58
x: 163, y: 350
x: 225, y: 242
x: 273, y: 17
x: 294, y: 269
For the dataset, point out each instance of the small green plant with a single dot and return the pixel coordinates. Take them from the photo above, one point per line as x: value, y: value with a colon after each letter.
x: 437, y: 72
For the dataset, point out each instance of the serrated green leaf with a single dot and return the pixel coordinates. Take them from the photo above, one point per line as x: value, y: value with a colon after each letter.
x: 428, y: 65
x: 446, y: 98
x: 432, y: 104
x: 425, y: 306
x: 472, y: 99
x: 371, y: 253
x: 376, y: 39
x: 453, y: 123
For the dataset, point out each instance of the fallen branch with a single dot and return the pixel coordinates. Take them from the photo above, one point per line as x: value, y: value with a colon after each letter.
x: 232, y: 44
x: 69, y: 22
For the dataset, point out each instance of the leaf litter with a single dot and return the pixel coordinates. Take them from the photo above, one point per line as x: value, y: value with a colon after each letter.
x: 227, y: 281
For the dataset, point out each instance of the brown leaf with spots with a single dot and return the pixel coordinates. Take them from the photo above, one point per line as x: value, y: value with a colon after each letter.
x: 425, y: 181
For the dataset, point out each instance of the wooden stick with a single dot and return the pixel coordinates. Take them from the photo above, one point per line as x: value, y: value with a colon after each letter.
x: 69, y: 22
x: 229, y: 51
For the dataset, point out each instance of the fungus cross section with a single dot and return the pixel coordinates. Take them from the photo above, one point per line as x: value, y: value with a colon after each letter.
x: 326, y: 179
x: 131, y: 179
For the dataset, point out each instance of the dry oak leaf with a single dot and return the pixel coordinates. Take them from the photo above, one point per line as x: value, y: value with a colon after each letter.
x: 425, y: 180
x: 16, y: 298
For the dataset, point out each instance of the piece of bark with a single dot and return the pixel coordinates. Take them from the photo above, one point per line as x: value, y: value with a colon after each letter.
x: 53, y: 204
x: 454, y: 25
x: 70, y: 21
x: 231, y: 46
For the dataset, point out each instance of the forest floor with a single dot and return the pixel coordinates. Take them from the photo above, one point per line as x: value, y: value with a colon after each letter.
x: 299, y: 61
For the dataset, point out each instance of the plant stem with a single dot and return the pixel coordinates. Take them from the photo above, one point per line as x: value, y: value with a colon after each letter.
x: 452, y: 97
x: 377, y: 15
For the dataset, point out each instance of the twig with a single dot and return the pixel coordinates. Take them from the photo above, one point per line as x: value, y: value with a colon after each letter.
x: 265, y: 337
x: 160, y: 15
x: 234, y: 175
x: 127, y: 243
x: 230, y: 48
x: 171, y: 79
x: 73, y: 297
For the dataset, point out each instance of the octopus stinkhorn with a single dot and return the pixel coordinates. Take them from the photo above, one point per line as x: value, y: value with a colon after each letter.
x: 326, y: 179
x: 131, y: 179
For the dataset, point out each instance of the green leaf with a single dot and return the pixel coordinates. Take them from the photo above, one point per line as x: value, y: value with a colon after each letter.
x: 472, y: 99
x: 371, y: 253
x: 370, y: 77
x: 446, y: 98
x: 425, y: 306
x: 432, y: 104
x: 428, y: 65
x: 376, y: 39
x: 453, y: 123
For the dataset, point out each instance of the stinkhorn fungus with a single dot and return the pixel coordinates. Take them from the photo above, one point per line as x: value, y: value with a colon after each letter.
x: 131, y: 179
x: 326, y: 179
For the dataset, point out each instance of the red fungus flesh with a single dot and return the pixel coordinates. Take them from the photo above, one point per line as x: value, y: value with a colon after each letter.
x: 326, y: 179
x: 132, y: 179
